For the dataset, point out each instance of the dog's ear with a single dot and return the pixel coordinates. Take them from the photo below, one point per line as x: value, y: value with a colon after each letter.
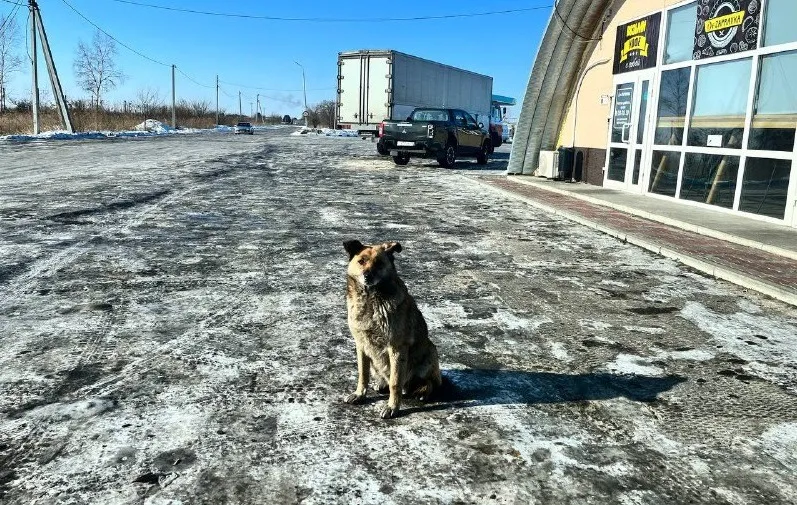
x: 392, y: 247
x: 353, y: 247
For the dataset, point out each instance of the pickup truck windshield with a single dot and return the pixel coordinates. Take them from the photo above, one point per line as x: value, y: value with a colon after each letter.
x: 429, y: 115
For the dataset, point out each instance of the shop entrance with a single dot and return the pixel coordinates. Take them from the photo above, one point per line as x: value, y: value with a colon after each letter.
x: 631, y: 111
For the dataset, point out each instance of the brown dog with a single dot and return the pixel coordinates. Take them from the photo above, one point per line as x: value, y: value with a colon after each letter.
x: 389, y: 331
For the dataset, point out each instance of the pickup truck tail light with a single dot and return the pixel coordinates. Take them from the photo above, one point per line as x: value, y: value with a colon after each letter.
x: 430, y: 131
x: 381, y: 130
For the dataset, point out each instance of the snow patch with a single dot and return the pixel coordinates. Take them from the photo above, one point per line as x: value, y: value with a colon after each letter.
x: 152, y: 126
x: 780, y: 442
x: 641, y: 365
x: 559, y: 352
x: 766, y: 338
x: 594, y: 325
x: 634, y: 365
x: 327, y: 132
x: 510, y: 321
x: 651, y: 330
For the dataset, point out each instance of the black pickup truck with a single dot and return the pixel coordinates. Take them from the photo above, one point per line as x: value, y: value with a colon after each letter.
x: 445, y: 134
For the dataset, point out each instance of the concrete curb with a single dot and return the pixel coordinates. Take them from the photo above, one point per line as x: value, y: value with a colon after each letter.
x: 707, y: 267
x: 708, y: 232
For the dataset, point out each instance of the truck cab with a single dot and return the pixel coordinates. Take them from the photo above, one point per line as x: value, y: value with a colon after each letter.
x: 498, y: 107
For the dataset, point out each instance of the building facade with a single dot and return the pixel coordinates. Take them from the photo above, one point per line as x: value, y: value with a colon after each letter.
x: 693, y: 101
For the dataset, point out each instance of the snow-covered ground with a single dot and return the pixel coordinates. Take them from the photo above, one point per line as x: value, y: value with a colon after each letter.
x: 327, y: 132
x: 173, y: 332
x: 147, y: 128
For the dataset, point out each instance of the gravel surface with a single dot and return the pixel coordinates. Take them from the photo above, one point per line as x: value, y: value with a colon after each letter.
x: 173, y: 331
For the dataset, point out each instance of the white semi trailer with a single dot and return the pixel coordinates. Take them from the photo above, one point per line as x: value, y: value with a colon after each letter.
x: 378, y: 85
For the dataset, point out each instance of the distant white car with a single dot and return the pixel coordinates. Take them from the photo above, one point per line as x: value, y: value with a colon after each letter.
x: 243, y: 127
x: 509, y: 132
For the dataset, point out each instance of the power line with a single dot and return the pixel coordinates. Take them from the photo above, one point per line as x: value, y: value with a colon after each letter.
x: 333, y: 20
x: 160, y: 62
x: 114, y: 38
x: 225, y: 93
x: 272, y: 89
x: 192, y: 79
x: 11, y: 16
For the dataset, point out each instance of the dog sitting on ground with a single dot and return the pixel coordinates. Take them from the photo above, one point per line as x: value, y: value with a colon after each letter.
x: 390, y: 334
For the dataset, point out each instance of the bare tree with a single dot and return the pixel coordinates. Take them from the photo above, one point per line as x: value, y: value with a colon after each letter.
x: 95, y: 68
x: 200, y: 108
x: 324, y: 113
x: 148, y: 99
x: 312, y: 117
x: 10, y: 61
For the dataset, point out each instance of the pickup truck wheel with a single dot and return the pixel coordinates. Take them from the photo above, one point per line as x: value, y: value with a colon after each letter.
x: 401, y: 159
x: 481, y: 158
x: 448, y: 157
x: 381, y: 149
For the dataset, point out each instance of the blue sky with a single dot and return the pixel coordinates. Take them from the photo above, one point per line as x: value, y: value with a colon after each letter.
x: 261, y: 53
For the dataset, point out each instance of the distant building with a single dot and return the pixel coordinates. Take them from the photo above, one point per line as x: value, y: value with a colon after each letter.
x: 686, y: 100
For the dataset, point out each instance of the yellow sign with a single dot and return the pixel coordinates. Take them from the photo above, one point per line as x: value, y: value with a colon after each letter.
x: 724, y: 22
x: 638, y: 43
x: 636, y: 28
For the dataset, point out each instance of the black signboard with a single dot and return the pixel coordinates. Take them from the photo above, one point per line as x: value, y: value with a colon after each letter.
x: 726, y: 26
x: 623, y: 104
x: 637, y: 44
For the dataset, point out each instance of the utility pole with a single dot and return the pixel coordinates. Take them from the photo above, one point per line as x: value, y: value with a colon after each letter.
x: 55, y: 83
x: 174, y: 101
x: 304, y: 88
x: 257, y: 111
x: 217, y: 99
x: 34, y: 68
x: 240, y: 110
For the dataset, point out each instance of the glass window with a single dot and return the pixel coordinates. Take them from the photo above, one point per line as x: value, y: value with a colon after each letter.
x: 779, y: 26
x: 764, y: 187
x: 775, y: 110
x: 680, y: 33
x: 720, y: 100
x: 664, y: 172
x: 637, y: 166
x: 643, y: 109
x: 710, y: 178
x: 617, y: 162
x: 673, y: 98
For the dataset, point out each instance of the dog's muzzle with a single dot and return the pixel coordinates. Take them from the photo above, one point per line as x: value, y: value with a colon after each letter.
x: 370, y: 280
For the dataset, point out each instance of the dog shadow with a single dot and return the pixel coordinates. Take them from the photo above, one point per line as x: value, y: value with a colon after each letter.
x: 477, y: 387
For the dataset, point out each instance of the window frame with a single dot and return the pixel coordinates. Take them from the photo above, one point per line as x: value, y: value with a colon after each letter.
x: 744, y: 152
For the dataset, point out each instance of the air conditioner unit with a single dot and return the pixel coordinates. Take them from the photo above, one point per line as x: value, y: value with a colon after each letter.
x: 549, y: 165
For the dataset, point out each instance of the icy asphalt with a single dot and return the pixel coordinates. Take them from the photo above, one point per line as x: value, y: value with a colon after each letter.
x: 172, y: 312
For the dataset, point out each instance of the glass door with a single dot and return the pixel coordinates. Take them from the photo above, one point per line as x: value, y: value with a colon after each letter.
x: 628, y: 133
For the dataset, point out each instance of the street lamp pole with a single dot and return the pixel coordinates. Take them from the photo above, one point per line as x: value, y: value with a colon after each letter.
x: 304, y: 88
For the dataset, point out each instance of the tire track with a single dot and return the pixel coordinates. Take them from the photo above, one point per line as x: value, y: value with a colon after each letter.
x: 58, y: 260
x: 99, y: 339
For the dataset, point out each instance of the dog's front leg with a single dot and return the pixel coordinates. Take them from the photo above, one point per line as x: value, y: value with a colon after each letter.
x: 398, y: 371
x: 363, y: 376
